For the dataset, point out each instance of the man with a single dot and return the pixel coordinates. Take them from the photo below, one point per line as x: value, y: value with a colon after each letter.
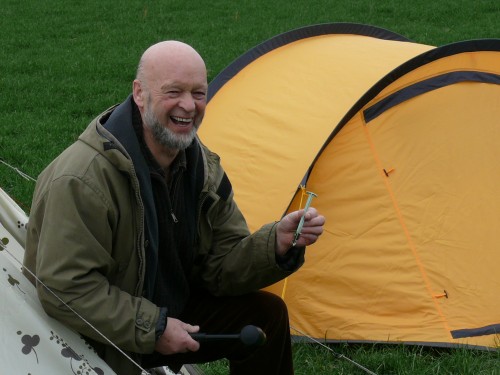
x: 135, y: 228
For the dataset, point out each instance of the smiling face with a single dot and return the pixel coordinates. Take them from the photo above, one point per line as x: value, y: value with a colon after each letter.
x: 170, y: 91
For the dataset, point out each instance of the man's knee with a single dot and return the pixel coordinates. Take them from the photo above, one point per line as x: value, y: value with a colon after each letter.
x: 272, y: 304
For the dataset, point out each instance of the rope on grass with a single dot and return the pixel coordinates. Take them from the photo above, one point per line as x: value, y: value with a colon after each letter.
x: 338, y: 355
x: 21, y: 173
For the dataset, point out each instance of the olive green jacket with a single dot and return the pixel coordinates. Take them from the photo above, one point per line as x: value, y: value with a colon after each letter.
x: 86, y: 242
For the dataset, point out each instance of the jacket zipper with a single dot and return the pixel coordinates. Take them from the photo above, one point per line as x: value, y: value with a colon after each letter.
x: 174, y: 194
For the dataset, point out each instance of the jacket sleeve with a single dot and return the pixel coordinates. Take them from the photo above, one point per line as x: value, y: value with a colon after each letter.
x: 239, y: 262
x: 71, y: 230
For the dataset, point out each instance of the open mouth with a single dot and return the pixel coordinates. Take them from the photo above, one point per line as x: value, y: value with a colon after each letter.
x: 182, y: 121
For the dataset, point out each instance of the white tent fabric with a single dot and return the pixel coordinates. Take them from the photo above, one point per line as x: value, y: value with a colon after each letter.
x: 31, y: 341
x: 14, y: 219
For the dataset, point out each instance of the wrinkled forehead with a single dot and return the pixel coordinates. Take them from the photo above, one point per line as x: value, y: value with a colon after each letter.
x: 173, y: 62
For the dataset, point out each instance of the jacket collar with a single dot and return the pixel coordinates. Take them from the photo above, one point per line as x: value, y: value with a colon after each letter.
x: 120, y: 125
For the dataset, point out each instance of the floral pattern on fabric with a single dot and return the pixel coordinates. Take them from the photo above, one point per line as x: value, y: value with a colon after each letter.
x: 32, y: 342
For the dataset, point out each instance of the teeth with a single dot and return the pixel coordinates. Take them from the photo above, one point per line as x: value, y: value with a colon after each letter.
x: 181, y: 119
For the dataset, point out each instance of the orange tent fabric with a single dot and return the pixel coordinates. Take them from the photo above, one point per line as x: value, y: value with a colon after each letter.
x: 400, y: 141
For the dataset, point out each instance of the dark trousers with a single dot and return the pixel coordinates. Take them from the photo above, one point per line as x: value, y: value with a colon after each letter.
x: 228, y: 315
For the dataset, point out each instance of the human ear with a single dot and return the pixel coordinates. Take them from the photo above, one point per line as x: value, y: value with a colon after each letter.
x: 138, y: 93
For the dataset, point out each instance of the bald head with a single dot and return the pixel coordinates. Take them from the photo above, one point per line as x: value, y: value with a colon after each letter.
x: 165, y: 55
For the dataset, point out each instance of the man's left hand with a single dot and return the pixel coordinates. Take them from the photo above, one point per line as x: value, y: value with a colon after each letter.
x: 311, y: 230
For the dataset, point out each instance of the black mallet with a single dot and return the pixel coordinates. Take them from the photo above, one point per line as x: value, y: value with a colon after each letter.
x: 249, y: 336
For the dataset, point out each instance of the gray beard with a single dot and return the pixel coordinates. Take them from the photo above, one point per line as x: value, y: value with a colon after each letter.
x: 165, y: 136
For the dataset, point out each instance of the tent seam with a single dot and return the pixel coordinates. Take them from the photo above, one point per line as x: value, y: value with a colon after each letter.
x: 385, y: 177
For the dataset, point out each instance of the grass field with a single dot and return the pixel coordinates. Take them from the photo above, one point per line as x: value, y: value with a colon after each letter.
x: 63, y: 62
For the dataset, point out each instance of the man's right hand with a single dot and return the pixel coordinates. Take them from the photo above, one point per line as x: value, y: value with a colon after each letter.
x: 176, y: 338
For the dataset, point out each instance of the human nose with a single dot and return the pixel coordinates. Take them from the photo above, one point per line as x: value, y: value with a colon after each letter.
x: 187, y: 103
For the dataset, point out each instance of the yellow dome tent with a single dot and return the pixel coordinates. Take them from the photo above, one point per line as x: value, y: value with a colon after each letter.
x: 401, y: 142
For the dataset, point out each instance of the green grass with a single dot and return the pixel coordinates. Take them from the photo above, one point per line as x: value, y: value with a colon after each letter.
x: 63, y: 62
x: 314, y: 359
